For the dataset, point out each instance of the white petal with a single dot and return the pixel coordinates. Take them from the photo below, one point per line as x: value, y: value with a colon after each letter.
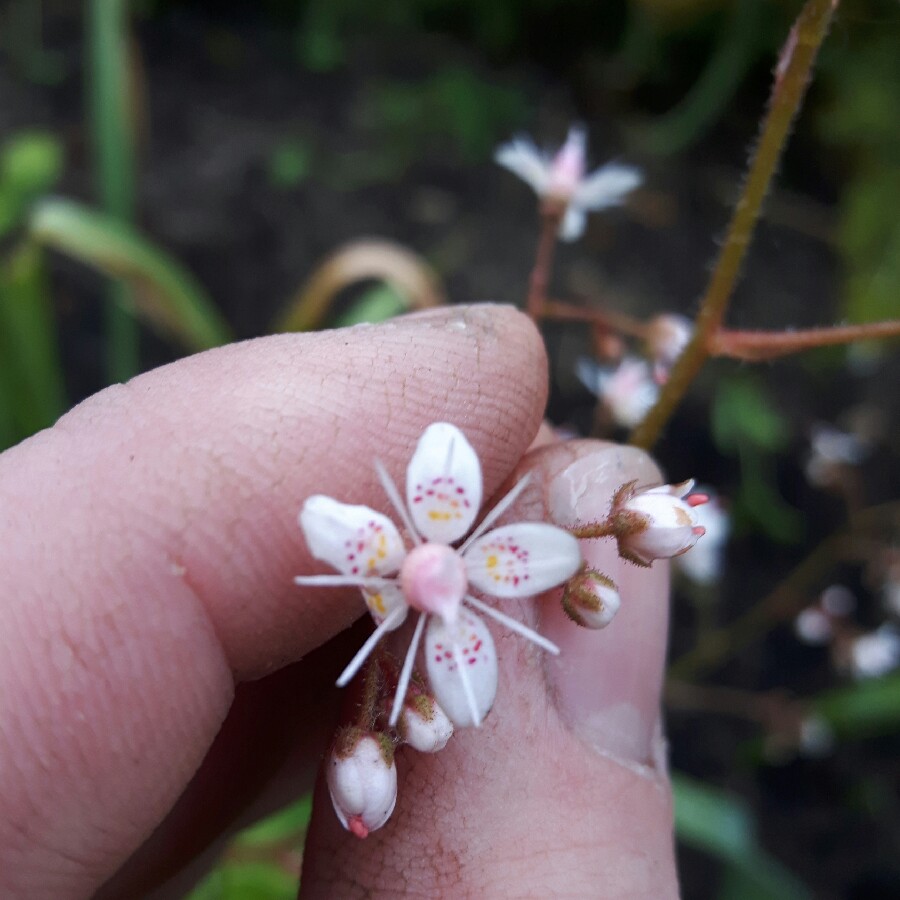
x: 522, y: 560
x: 383, y: 601
x: 522, y: 158
x: 355, y: 540
x: 443, y: 484
x: 608, y: 186
x: 591, y: 374
x: 573, y: 223
x: 462, y: 667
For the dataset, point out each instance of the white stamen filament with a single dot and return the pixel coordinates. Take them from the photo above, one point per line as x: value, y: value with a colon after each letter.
x: 370, y: 582
x: 396, y: 501
x: 501, y: 507
x: 467, y: 685
x: 394, y: 617
x: 513, y: 625
x: 406, y: 671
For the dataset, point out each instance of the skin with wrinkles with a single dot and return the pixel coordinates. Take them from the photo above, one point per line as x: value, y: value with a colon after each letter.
x: 149, y: 625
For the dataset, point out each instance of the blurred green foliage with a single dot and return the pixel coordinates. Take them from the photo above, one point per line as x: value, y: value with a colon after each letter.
x: 746, y: 424
x: 720, y: 824
x: 860, y: 119
x: 30, y: 165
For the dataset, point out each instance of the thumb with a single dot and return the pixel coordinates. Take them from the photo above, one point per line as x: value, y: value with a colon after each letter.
x: 563, y: 791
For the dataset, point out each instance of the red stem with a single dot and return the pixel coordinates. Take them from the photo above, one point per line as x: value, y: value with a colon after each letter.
x: 757, y: 345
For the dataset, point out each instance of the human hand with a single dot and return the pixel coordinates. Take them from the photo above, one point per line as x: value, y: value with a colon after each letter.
x: 162, y: 680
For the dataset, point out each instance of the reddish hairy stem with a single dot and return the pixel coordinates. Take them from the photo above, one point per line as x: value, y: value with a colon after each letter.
x: 791, y: 79
x: 757, y: 345
x: 551, y: 214
x: 609, y: 319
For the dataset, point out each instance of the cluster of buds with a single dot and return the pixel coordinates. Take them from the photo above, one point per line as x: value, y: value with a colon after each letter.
x: 361, y: 772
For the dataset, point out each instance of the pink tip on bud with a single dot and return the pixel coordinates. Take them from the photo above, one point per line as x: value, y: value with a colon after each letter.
x: 355, y: 825
x: 697, y: 499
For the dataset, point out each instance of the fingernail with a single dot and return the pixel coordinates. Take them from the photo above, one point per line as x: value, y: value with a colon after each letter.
x: 607, y: 683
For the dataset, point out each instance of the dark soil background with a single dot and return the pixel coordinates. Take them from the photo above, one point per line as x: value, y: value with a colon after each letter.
x: 223, y: 94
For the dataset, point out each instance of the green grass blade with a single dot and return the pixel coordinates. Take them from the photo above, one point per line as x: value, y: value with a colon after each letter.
x: 33, y: 376
x: 111, y: 97
x: 166, y: 295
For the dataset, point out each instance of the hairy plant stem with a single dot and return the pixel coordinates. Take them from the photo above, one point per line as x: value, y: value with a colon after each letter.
x: 371, y: 693
x: 600, y: 318
x: 788, y: 597
x: 594, y: 530
x: 759, y: 345
x: 791, y: 79
x: 551, y: 215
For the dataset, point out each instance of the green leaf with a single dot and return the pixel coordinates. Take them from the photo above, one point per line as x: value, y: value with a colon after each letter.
x: 863, y: 709
x: 285, y: 825
x: 720, y: 824
x: 31, y: 162
x: 743, y: 412
x: 289, y: 163
x: 711, y: 820
x: 247, y: 881
x: 165, y: 295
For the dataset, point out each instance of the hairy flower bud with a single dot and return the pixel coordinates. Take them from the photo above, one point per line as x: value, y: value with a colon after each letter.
x: 424, y: 725
x: 656, y: 523
x: 591, y: 599
x: 362, y: 780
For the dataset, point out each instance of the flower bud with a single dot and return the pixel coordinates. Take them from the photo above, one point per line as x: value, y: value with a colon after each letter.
x: 424, y: 725
x: 656, y: 523
x: 362, y: 780
x: 591, y: 599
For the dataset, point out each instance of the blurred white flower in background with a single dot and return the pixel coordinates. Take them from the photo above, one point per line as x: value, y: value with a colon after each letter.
x: 561, y: 178
x: 628, y: 390
x: 876, y: 653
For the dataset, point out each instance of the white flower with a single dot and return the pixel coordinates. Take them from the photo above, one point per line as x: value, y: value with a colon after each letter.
x: 876, y: 653
x: 667, y: 336
x: 702, y: 563
x: 656, y: 523
x: 831, y: 452
x: 561, y: 178
x: 813, y: 626
x: 443, y: 497
x: 362, y: 781
x: 628, y: 391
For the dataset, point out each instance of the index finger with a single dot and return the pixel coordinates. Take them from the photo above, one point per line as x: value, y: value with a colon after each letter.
x: 149, y: 541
